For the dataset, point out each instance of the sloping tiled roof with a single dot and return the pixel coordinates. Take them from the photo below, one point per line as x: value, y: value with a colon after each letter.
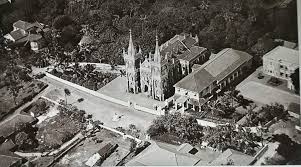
x: 196, y: 81
x: 8, y: 158
x: 189, y: 41
x: 9, y: 127
x: 224, y: 63
x: 283, y: 54
x: 22, y: 25
x: 157, y: 155
x: 3, y: 2
x: 16, y: 35
x: 30, y: 38
x: 294, y: 107
x: 192, y: 53
x: 238, y: 158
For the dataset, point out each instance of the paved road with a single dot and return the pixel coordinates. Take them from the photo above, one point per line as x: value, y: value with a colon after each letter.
x: 101, y: 109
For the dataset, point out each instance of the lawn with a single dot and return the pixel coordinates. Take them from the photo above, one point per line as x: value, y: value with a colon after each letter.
x: 29, y: 91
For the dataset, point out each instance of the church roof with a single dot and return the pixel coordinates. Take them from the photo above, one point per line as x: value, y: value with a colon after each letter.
x: 224, y: 63
x: 192, y: 53
x: 189, y: 41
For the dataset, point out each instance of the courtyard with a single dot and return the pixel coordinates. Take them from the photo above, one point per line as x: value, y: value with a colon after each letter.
x: 100, y: 109
x: 261, y: 92
x: 117, y: 89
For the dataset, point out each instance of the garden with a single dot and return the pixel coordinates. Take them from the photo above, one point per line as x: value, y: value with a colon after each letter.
x: 187, y: 130
x: 266, y: 114
x: 85, y: 76
x: 224, y: 108
x: 56, y: 125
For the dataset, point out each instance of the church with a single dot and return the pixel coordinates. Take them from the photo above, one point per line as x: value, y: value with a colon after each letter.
x: 156, y: 73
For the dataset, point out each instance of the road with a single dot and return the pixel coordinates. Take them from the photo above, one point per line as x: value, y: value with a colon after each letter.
x: 101, y: 109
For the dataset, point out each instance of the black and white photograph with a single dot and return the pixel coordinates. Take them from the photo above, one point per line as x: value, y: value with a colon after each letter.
x: 90, y: 83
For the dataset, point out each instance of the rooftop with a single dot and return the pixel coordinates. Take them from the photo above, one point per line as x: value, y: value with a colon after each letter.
x: 238, y: 158
x: 215, y: 69
x: 294, y: 107
x: 9, y: 127
x: 159, y: 154
x: 281, y: 53
x: 8, y: 158
x: 16, y: 35
x: 23, y: 25
x: 192, y: 53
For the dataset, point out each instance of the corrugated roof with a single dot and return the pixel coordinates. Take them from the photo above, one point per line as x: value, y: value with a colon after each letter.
x: 281, y: 53
x: 238, y: 158
x: 224, y: 63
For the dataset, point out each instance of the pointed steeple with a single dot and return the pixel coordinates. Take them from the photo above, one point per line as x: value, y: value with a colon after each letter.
x: 131, y: 48
x: 157, y: 56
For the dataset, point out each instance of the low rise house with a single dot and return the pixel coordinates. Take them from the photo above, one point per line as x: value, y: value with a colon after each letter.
x: 233, y: 157
x: 25, y: 32
x: 281, y: 62
x: 9, y: 127
x: 217, y: 73
x: 9, y: 159
x: 106, y: 150
x: 159, y: 154
x: 3, y: 2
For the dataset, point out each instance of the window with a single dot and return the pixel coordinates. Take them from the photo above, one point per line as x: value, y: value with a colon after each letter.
x: 281, y: 66
x: 281, y: 74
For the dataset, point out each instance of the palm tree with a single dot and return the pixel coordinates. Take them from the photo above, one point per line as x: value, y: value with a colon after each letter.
x: 67, y: 93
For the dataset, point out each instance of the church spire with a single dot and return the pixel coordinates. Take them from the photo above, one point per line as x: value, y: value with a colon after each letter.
x: 131, y: 49
x: 157, y: 51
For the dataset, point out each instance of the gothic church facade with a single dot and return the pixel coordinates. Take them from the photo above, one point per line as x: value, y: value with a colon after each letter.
x: 156, y: 74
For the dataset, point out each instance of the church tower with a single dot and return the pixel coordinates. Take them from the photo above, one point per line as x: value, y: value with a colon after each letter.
x: 157, y: 79
x: 132, y: 65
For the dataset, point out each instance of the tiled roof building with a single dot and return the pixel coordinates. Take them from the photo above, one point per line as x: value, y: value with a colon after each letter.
x: 216, y: 73
x: 159, y: 154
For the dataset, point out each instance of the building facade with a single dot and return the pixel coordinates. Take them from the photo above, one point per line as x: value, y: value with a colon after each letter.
x: 281, y: 62
x: 219, y: 72
x: 156, y: 73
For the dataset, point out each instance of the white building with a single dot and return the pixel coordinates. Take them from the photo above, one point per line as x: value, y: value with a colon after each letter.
x: 281, y: 62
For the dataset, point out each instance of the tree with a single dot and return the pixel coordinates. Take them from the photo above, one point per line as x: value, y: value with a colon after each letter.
x: 25, y: 141
x: 67, y: 93
x: 296, y: 80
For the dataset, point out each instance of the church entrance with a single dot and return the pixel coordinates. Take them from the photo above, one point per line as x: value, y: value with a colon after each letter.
x: 131, y: 90
x: 145, y: 88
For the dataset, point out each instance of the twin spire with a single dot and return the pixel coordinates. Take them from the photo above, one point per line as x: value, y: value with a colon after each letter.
x: 131, y: 48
